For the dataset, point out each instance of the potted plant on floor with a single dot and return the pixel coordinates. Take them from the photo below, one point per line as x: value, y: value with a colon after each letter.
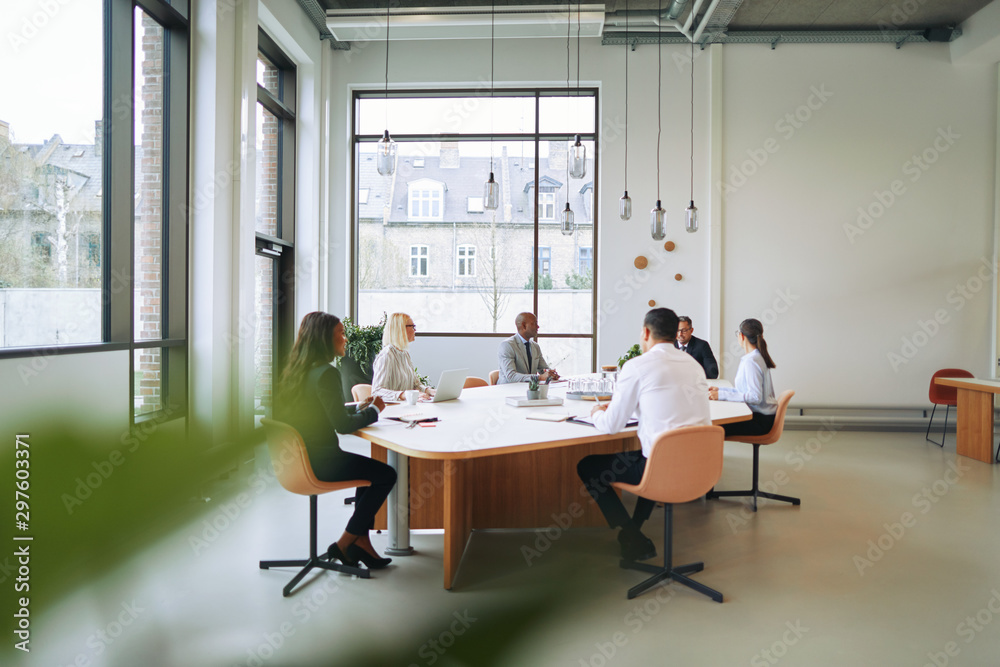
x: 363, y: 345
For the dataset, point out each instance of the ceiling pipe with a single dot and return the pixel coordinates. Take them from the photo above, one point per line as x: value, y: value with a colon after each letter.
x: 676, y: 9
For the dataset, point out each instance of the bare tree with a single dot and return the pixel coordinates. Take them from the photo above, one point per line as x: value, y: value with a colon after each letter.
x: 494, y: 276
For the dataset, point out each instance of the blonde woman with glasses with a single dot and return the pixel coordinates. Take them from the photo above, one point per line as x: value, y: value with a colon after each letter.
x: 392, y: 371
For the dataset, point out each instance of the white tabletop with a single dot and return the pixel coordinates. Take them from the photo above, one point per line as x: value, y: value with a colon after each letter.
x: 479, y: 422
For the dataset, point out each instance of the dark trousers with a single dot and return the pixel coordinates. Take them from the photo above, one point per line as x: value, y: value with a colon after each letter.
x: 599, y: 471
x: 759, y: 424
x: 339, y: 466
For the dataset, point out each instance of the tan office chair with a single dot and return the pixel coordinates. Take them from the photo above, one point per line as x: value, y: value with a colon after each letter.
x: 292, y: 468
x: 473, y: 381
x: 757, y: 440
x: 494, y: 377
x: 946, y: 396
x: 361, y: 391
x: 684, y: 464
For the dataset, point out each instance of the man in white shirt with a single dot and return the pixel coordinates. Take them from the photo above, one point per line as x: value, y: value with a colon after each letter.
x: 520, y: 358
x: 666, y: 389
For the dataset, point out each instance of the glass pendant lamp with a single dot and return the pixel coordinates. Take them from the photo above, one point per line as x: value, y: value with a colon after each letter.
x: 691, y: 212
x: 625, y: 202
x: 578, y: 159
x: 566, y: 224
x: 491, y: 190
x: 385, y: 160
x: 658, y: 222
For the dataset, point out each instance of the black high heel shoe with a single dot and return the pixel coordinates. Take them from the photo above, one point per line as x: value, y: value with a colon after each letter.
x: 371, y: 562
x: 333, y: 551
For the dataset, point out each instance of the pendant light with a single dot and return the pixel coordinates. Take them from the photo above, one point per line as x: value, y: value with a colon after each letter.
x: 386, y: 160
x: 691, y: 212
x: 625, y: 203
x: 566, y: 221
x: 657, y: 216
x: 491, y: 191
x: 578, y: 155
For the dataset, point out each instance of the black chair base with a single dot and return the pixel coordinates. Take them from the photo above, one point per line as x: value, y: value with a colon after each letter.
x: 314, y: 560
x: 667, y: 570
x: 755, y: 491
x: 662, y: 573
x: 944, y: 431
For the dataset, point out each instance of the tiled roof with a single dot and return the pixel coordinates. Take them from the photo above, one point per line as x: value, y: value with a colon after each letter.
x: 78, y: 162
x: 467, y: 180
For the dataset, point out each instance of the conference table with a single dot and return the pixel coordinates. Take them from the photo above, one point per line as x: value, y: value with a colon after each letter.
x: 485, y: 464
x: 975, y: 416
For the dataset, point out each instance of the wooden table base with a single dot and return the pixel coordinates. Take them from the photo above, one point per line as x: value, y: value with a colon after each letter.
x: 975, y: 424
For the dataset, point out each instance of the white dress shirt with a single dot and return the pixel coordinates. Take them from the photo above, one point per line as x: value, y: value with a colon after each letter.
x: 392, y: 372
x: 753, y: 385
x: 665, y: 388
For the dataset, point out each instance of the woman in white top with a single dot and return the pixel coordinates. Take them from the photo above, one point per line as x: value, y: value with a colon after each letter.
x: 753, y: 383
x: 392, y: 370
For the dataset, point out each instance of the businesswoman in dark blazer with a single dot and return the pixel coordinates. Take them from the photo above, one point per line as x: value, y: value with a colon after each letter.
x: 310, y: 398
x: 753, y: 383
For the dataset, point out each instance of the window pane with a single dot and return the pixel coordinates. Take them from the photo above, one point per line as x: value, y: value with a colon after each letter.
x: 567, y: 114
x: 268, y: 76
x: 51, y: 163
x: 148, y: 164
x: 148, y: 390
x: 473, y: 114
x: 263, y: 357
x: 569, y: 356
x: 266, y: 197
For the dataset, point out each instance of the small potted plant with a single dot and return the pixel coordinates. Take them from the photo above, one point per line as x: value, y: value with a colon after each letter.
x: 533, y: 391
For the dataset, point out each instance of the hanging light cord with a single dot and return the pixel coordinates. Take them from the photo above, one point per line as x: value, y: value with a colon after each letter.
x: 493, y: 15
x: 659, y: 101
x: 692, y: 121
x: 569, y: 23
x: 578, y: 61
x: 626, y: 95
x: 387, y: 64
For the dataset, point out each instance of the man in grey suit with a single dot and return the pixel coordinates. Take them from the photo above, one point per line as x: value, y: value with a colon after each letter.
x: 520, y: 358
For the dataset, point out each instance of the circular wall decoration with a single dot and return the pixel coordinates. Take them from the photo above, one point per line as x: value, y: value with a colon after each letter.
x: 669, y: 246
x: 678, y: 277
x: 641, y: 262
x: 651, y: 303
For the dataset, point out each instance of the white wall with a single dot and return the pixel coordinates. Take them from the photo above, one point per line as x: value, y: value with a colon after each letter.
x: 793, y: 232
x: 834, y: 310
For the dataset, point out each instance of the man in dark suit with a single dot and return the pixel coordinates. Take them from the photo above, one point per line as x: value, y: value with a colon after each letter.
x: 696, y: 347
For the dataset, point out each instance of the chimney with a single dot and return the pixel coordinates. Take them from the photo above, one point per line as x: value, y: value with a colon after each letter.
x: 557, y: 155
x: 99, y: 137
x: 449, y: 155
x: 4, y: 131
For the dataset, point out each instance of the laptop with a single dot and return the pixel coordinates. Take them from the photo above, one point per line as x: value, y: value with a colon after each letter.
x: 450, y: 385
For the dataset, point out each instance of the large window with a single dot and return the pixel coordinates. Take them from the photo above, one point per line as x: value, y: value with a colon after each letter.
x: 477, y: 268
x: 274, y: 201
x: 108, y: 263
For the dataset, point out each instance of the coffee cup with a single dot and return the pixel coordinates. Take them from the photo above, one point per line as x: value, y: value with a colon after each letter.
x: 411, y: 396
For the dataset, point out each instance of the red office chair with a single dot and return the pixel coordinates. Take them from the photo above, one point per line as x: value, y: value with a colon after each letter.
x: 947, y: 396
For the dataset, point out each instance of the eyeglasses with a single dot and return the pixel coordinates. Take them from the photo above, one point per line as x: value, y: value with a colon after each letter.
x: 412, y: 326
x: 685, y: 330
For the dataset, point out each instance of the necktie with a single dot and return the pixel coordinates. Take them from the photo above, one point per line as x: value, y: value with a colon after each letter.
x: 527, y: 350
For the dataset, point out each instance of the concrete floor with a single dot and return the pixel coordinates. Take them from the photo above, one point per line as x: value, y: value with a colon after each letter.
x: 893, y: 558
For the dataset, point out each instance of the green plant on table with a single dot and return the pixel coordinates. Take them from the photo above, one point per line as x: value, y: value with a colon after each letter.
x: 422, y: 379
x: 533, y: 383
x: 632, y: 352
